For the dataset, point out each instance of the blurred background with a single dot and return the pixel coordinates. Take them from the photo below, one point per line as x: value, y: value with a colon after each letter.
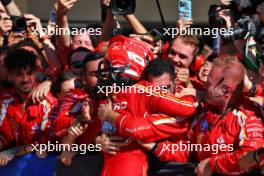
x: 88, y: 11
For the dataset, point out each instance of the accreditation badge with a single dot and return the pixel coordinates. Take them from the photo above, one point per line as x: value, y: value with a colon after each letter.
x: 203, y: 127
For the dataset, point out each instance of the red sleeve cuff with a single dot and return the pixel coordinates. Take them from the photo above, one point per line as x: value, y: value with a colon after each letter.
x: 118, y: 121
x: 212, y: 164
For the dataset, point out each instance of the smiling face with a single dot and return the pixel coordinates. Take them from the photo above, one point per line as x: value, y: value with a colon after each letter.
x: 181, y: 53
x: 23, y: 80
x: 204, y: 71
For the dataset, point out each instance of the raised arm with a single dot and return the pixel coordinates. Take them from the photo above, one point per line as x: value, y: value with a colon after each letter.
x: 136, y: 25
x: 64, y: 39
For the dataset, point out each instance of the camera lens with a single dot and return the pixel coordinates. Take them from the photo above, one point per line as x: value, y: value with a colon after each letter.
x: 182, y: 4
x: 123, y: 4
x: 238, y: 34
x: 123, y: 7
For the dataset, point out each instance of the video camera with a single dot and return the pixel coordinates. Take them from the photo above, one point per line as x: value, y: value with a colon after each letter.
x: 246, y: 28
x: 123, y: 7
x: 236, y: 8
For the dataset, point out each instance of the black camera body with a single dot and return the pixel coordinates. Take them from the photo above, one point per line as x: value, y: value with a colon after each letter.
x: 246, y: 26
x: 247, y: 6
x: 123, y: 7
x: 19, y: 23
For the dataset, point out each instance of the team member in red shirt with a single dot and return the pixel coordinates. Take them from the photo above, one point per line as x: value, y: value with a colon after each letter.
x: 229, y: 123
x: 23, y: 122
x: 71, y: 106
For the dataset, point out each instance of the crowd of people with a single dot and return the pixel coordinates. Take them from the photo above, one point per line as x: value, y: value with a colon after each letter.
x: 186, y: 99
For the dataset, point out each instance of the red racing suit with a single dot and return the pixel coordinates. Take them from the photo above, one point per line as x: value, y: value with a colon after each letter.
x: 37, y: 122
x: 24, y: 123
x: 139, y: 102
x: 223, y: 139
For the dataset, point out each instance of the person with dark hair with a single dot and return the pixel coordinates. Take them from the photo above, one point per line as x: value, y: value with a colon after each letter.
x: 91, y: 63
x: 20, y: 59
x: 65, y: 124
x: 47, y: 61
x: 78, y: 93
x: 22, y: 122
x: 65, y: 82
x: 160, y: 72
x: 162, y: 69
